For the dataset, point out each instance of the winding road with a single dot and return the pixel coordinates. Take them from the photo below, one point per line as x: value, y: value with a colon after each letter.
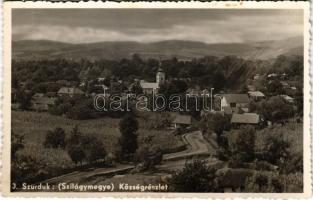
x: 196, y: 146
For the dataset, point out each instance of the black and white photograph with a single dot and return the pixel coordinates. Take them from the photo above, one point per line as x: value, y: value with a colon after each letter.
x: 158, y: 100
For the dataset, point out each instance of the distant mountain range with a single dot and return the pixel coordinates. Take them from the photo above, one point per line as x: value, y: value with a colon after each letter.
x: 45, y: 49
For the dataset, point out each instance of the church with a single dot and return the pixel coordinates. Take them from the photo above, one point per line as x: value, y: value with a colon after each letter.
x: 150, y: 88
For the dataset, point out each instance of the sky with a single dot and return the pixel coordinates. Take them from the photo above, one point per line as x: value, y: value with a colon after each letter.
x: 151, y: 25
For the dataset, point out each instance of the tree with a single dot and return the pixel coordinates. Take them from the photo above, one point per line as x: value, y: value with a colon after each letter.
x: 76, y: 153
x: 24, y: 99
x: 275, y: 109
x: 128, y: 127
x: 17, y: 143
x: 244, y: 144
x: 55, y: 138
x: 136, y: 89
x: 75, y: 136
x: 218, y: 123
x: 93, y: 148
x: 262, y: 182
x: 275, y: 87
x: 194, y: 177
x: 276, y: 149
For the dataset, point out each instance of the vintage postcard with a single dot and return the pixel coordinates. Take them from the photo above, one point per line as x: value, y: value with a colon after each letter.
x: 180, y: 99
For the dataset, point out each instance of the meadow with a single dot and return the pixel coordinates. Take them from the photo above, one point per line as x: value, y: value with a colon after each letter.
x: 34, y: 127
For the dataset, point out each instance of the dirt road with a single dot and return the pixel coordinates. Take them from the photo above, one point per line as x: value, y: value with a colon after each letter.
x: 197, y: 146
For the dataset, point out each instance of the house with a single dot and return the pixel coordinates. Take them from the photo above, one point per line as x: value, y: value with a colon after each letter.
x: 194, y: 92
x: 38, y: 95
x: 42, y: 103
x: 287, y: 98
x: 284, y: 84
x: 182, y: 121
x: 251, y: 87
x: 256, y: 95
x: 153, y: 87
x: 245, y: 119
x: 70, y: 91
x: 149, y: 88
x: 256, y: 77
x: 234, y: 100
x: 272, y: 76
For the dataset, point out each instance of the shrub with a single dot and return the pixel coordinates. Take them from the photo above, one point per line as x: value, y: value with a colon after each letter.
x: 55, y: 138
x: 76, y: 153
x: 194, y: 177
x: 128, y: 127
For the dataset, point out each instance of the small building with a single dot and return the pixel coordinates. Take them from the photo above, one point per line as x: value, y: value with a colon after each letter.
x: 149, y: 88
x: 38, y: 95
x: 183, y: 121
x: 238, y: 120
x: 70, y: 91
x: 234, y: 100
x: 42, y: 103
x: 251, y: 88
x: 287, y: 98
x: 256, y: 77
x: 272, y: 76
x: 256, y: 95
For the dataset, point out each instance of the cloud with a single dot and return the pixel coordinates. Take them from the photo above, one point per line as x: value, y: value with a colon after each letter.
x: 142, y: 27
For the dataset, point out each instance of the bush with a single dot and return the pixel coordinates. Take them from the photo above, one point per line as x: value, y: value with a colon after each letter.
x: 264, y: 182
x: 149, y: 156
x: 55, y: 138
x: 128, y: 127
x: 245, y: 143
x: 93, y: 149
x: 76, y: 153
x: 194, y: 177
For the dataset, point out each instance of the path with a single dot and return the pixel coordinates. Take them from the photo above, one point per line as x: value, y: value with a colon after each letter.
x: 197, y: 146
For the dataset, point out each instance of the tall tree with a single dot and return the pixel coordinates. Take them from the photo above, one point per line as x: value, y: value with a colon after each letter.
x: 128, y: 127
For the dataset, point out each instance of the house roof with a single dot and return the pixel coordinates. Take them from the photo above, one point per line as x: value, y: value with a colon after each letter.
x: 236, y: 98
x: 286, y: 97
x: 70, y: 90
x: 182, y: 119
x: 245, y: 118
x: 38, y: 95
x: 256, y: 94
x: 145, y: 85
x: 44, y: 100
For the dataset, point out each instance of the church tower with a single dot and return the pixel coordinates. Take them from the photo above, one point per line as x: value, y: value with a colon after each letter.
x: 160, y: 76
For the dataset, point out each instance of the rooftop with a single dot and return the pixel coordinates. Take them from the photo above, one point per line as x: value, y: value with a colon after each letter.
x: 145, y: 85
x: 70, y: 90
x: 182, y: 119
x: 236, y: 98
x: 256, y: 94
x: 245, y: 118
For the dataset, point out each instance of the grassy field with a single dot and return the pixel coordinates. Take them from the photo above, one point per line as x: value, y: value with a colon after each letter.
x: 35, y: 125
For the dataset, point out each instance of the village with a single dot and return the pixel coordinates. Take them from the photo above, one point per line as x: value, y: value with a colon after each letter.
x: 233, y: 105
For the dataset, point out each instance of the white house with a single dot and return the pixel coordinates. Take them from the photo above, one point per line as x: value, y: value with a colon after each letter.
x: 234, y: 100
x: 256, y: 95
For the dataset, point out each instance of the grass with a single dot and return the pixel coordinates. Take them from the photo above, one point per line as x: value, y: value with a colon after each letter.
x: 35, y: 125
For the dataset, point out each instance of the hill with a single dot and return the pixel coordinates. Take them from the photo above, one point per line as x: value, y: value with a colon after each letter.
x: 43, y: 49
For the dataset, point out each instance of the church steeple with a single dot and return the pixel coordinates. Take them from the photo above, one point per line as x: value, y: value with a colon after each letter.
x: 160, y: 76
